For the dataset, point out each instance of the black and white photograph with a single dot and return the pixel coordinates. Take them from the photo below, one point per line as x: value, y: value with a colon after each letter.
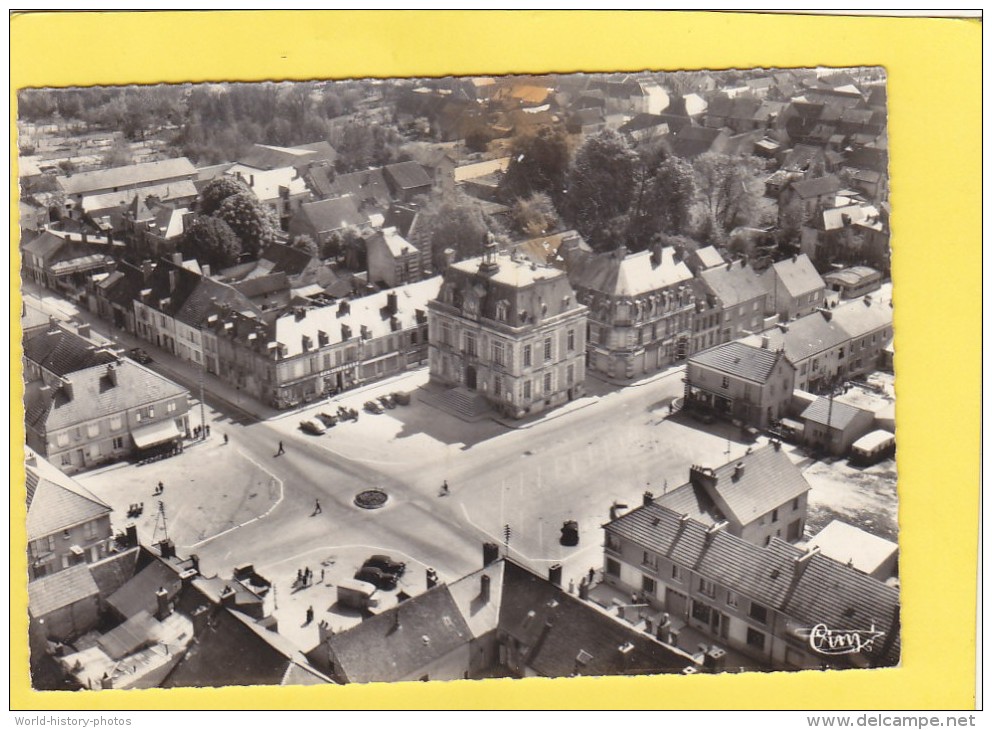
x: 458, y: 378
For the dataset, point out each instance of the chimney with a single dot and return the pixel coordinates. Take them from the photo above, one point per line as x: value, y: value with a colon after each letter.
x: 343, y: 308
x: 306, y: 343
x: 164, y: 608
x: 205, y: 269
x: 83, y: 237
x: 167, y: 549
x: 251, y: 180
x: 345, y: 332
x: 554, y: 574
x: 827, y: 314
x: 131, y: 535
x: 147, y: 267
x: 177, y: 258
x: 112, y: 374
x: 449, y: 257
x: 172, y: 281
x: 803, y: 560
x: 648, y: 498
x: 711, y: 531
x: 867, y: 300
x: 391, y: 303
x: 702, y: 476
x: 795, y: 257
x: 738, y: 470
x: 53, y: 323
x: 195, y: 560
x: 83, y: 330
x: 299, y: 314
x: 490, y: 553
x: 765, y: 342
x: 431, y: 578
x: 656, y: 256
x: 322, y: 339
x: 484, y: 588
x: 776, y: 444
x: 67, y: 389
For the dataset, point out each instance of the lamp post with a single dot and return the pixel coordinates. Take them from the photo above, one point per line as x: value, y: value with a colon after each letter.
x: 202, y: 373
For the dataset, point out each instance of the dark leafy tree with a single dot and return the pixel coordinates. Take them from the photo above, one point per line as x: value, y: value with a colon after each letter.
x: 210, y: 240
x: 458, y: 225
x: 728, y: 191
x: 538, y: 164
x: 535, y: 215
x: 600, y: 188
x: 251, y: 221
x: 663, y: 203
x: 306, y: 243
x: 218, y: 190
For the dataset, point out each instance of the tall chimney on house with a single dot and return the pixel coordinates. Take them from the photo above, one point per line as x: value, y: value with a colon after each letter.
x: 163, y: 607
x: 391, y: 303
x: 554, y: 574
x: 490, y: 553
x: 484, y: 588
x: 648, y: 498
x: 738, y: 470
x: 112, y: 374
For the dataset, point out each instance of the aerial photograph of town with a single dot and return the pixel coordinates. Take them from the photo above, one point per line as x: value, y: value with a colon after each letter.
x: 460, y: 378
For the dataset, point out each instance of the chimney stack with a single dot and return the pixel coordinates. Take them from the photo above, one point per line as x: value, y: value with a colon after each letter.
x: 431, y: 578
x: 205, y: 269
x: 554, y: 574
x: 702, y: 476
x: 648, y: 498
x: 738, y: 470
x: 177, y: 258
x: 391, y: 303
x: 490, y: 553
x: 164, y: 608
x: 67, y: 388
x: 167, y: 549
x: 484, y: 588
x: 83, y: 330
x: 112, y: 374
x: 765, y: 342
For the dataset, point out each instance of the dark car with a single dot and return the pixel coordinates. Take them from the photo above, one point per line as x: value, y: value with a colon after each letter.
x: 312, y: 427
x: 386, y: 564
x: 327, y: 419
x: 380, y: 579
x: 372, y: 407
x: 139, y: 355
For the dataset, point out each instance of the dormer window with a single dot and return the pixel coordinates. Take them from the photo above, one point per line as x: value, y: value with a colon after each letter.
x: 502, y: 307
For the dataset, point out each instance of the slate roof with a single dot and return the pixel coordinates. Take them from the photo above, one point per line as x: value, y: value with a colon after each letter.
x: 44, y: 245
x: 693, y: 141
x: 129, y: 636
x: 804, y: 337
x: 848, y: 544
x: 734, y: 283
x: 801, y: 156
x: 815, y: 590
x: 320, y: 183
x: 333, y: 214
x: 138, y: 594
x: 95, y: 397
x: 270, y: 157
x: 840, y: 415
x: 630, y: 276
x: 769, y: 480
x: 692, y: 500
x: 740, y: 360
x: 858, y: 317
x: 366, y: 187
x: 816, y: 187
x: 56, y: 506
x: 61, y: 589
x: 62, y: 352
x: 140, y: 174
x: 798, y: 275
x: 292, y: 261
x: 709, y: 257
x: 393, y: 241
x: 175, y: 190
x: 407, y: 175
x: 395, y: 644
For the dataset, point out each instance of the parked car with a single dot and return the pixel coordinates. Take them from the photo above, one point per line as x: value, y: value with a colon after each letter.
x: 347, y: 414
x: 372, y: 407
x: 387, y: 401
x: 327, y: 419
x: 312, y: 427
x: 139, y: 355
x: 402, y: 399
x: 381, y: 580
x: 386, y: 564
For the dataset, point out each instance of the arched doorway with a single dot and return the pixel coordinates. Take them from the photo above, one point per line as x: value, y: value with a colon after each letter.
x: 471, y: 378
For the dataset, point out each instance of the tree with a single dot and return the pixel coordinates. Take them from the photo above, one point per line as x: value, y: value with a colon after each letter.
x: 118, y: 155
x: 664, y: 203
x: 218, y: 190
x: 306, y: 243
x: 600, y: 187
x: 535, y: 215
x: 728, y: 193
x: 458, y: 225
x: 211, y: 241
x: 251, y: 221
x: 538, y: 164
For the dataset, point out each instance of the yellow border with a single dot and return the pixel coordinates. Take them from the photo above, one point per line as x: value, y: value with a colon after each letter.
x: 934, y: 68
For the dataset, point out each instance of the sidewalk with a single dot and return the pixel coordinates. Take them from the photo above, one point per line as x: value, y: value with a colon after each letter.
x: 632, y: 383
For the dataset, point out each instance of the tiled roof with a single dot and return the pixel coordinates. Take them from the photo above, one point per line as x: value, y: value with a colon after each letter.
x: 365, y: 186
x: 292, y: 261
x: 839, y: 415
x: 138, y: 594
x: 693, y: 141
x: 63, y: 352
x: 798, y: 275
x: 333, y: 214
x: 396, y: 644
x: 319, y: 179
x: 269, y: 157
x: 61, y: 589
x: 859, y: 317
x: 94, y: 396
x: 44, y: 245
x: 55, y: 506
x: 801, y: 156
x: 632, y: 275
x: 734, y: 284
x: 208, y: 295
x: 175, y: 190
x: 393, y: 241
x: 708, y: 257
x: 693, y: 501
x: 741, y: 360
x: 144, y: 173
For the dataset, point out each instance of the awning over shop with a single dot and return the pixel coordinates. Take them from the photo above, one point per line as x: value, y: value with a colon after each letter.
x: 155, y: 433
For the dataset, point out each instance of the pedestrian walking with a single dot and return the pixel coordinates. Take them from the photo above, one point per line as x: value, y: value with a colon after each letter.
x: 207, y: 429
x: 225, y: 439
x: 299, y: 577
x: 309, y: 614
x: 592, y: 575
x: 306, y: 576
x: 444, y: 488
x: 316, y: 508
x: 161, y: 487
x: 281, y: 450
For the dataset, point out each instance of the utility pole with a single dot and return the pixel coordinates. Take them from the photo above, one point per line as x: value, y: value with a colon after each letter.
x: 203, y: 369
x: 506, y: 539
x: 160, y: 517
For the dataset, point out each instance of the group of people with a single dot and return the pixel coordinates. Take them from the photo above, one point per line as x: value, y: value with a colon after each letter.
x: 304, y: 577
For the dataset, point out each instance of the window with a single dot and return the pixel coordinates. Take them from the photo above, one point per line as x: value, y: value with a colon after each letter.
x: 571, y: 340
x: 794, y: 532
x: 93, y: 430
x: 66, y: 535
x: 650, y: 560
x: 171, y: 407
x: 755, y: 639
x: 648, y: 585
x: 151, y: 411
x: 547, y: 383
x: 612, y: 567
x: 470, y: 344
x: 677, y: 573
x: 526, y: 356
x: 701, y: 612
x: 62, y: 439
x: 612, y: 542
x: 592, y: 333
x: 795, y: 504
x: 527, y: 389
x: 731, y: 599
x: 118, y: 442
x: 547, y: 348
x: 498, y: 356
x: 501, y: 308
x: 445, y: 333
x: 66, y: 459
x: 840, y: 352
x: 115, y: 423
x: 497, y: 386
x: 775, y: 515
x: 570, y: 374
x: 725, y: 383
x: 758, y: 612
x: 51, y: 543
x: 707, y: 588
